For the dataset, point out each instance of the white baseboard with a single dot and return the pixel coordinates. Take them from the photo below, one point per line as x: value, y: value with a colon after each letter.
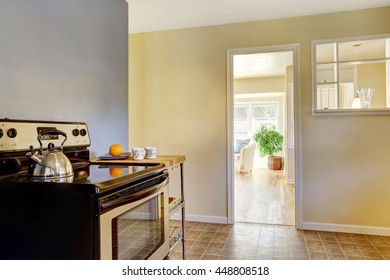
x: 384, y: 231
x: 201, y: 218
x: 346, y: 228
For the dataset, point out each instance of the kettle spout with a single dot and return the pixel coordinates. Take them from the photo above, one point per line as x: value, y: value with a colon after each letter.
x: 34, y: 157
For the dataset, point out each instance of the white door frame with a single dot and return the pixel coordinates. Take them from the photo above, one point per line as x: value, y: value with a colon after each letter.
x: 230, y: 125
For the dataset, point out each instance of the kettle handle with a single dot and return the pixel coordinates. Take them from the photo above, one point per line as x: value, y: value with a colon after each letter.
x: 51, y: 132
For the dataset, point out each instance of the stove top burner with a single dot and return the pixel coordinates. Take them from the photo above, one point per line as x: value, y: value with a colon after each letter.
x: 105, y: 172
x: 103, y: 176
x: 88, y: 177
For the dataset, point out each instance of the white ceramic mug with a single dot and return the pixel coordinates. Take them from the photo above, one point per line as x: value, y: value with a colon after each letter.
x: 151, y: 152
x: 138, y: 153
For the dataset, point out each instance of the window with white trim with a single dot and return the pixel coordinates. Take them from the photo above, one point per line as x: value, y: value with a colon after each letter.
x: 249, y: 116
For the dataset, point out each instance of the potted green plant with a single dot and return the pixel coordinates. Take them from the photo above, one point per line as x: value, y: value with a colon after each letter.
x: 269, y: 141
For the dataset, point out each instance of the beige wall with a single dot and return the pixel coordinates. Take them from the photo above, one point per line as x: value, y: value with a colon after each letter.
x: 345, y: 159
x: 136, y: 91
x: 374, y: 76
x: 255, y: 85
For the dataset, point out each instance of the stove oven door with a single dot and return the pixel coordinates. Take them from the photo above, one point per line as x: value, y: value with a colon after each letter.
x: 139, y: 229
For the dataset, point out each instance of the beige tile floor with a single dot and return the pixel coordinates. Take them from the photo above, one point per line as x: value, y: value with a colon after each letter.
x: 206, y: 241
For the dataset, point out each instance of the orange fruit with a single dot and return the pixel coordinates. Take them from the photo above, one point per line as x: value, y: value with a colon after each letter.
x: 116, y: 171
x: 116, y: 150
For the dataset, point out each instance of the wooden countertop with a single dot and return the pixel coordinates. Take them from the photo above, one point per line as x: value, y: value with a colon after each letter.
x: 167, y: 160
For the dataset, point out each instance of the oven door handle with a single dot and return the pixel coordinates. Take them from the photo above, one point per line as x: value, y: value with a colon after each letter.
x: 123, y: 199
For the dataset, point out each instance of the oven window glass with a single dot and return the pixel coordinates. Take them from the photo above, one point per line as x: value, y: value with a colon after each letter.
x: 139, y: 232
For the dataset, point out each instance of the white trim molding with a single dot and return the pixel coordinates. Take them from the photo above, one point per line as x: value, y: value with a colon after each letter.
x: 290, y: 181
x: 384, y: 231
x: 294, y: 48
x: 201, y: 218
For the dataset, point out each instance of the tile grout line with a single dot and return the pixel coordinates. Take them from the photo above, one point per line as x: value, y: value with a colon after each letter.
x: 373, y: 245
x: 338, y: 243
x: 224, y: 245
x: 367, y: 248
x: 357, y: 245
x: 323, y: 246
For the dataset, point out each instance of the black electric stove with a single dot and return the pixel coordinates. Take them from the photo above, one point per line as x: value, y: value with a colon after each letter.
x: 49, y: 219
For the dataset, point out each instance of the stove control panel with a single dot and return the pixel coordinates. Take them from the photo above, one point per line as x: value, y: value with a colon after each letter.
x: 19, y: 135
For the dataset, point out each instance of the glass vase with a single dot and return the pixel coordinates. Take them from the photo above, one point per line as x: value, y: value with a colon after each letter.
x: 365, y: 95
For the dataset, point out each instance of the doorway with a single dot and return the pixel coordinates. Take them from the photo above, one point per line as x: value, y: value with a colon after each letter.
x: 261, y: 86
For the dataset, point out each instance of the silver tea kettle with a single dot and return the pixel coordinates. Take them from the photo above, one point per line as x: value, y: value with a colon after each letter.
x: 50, y: 165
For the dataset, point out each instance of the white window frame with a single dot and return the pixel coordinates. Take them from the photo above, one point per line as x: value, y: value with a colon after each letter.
x: 250, y: 118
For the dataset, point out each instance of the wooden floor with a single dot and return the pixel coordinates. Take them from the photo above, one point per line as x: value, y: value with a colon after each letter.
x: 263, y: 196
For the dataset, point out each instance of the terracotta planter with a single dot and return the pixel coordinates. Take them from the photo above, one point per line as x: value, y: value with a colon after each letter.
x: 275, y: 163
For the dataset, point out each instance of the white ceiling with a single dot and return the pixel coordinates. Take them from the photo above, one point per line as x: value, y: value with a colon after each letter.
x: 156, y: 15
x: 262, y: 64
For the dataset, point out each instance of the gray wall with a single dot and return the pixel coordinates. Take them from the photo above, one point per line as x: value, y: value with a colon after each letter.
x: 66, y: 60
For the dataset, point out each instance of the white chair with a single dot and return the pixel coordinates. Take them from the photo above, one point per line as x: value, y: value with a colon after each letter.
x: 247, y: 155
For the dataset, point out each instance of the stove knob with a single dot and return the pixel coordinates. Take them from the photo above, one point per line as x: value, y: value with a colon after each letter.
x: 75, y: 132
x: 1, y: 133
x: 12, y: 133
x: 83, y: 132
